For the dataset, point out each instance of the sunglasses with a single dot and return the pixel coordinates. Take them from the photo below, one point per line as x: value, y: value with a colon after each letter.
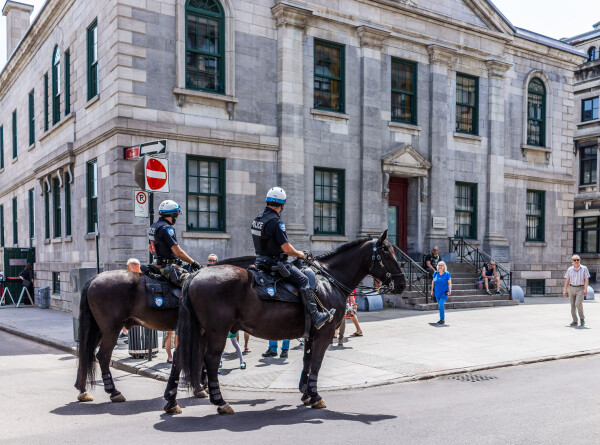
x: 212, y: 261
x: 576, y: 260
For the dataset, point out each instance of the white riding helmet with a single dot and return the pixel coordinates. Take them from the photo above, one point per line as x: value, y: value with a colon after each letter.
x: 276, y: 195
x: 169, y: 208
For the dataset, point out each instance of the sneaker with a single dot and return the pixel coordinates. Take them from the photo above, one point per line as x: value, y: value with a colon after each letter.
x: 243, y: 365
x: 121, y: 335
x: 574, y: 323
x: 284, y: 353
x: 488, y: 292
x: 582, y: 322
x: 441, y: 322
x: 269, y: 353
x: 498, y: 292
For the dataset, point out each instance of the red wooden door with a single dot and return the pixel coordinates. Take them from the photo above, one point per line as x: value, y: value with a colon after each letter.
x: 397, y: 219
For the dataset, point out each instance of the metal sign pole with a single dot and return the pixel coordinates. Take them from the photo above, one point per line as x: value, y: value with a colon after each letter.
x: 149, y: 335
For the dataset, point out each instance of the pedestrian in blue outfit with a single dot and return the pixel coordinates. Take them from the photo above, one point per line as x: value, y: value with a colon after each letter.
x: 272, y: 351
x: 441, y: 288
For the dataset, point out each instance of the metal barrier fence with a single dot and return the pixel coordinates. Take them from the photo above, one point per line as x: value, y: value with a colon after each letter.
x: 417, y: 278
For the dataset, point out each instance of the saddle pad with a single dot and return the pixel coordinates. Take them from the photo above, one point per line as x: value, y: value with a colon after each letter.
x: 269, y: 287
x: 161, y: 295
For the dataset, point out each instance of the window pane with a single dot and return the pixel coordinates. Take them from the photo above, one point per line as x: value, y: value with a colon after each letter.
x: 205, y: 195
x: 328, y: 77
x: 328, y: 205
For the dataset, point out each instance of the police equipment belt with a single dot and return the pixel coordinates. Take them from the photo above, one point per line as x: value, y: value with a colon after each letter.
x: 166, y: 262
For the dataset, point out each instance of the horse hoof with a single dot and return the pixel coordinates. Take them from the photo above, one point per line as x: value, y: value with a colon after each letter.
x: 305, y: 399
x: 319, y: 405
x: 225, y: 409
x: 84, y: 397
x: 202, y: 394
x: 173, y: 409
x: 118, y: 398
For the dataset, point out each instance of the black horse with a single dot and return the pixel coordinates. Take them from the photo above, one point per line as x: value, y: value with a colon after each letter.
x: 223, y: 299
x: 109, y: 301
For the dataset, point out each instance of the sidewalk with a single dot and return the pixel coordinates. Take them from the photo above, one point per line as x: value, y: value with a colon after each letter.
x: 398, y: 345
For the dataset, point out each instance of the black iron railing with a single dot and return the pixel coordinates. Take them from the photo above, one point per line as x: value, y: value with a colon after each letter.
x: 467, y: 253
x: 417, y: 278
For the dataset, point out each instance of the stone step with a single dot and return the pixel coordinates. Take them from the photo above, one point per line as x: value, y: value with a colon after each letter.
x: 466, y: 305
x: 461, y: 298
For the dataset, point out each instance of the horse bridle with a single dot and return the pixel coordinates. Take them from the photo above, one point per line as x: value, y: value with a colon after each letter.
x: 389, y: 277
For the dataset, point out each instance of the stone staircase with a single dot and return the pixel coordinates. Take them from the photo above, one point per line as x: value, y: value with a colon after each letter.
x: 464, y: 293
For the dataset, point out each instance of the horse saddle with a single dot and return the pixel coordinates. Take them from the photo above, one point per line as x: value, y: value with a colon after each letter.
x: 270, y: 285
x: 161, y: 293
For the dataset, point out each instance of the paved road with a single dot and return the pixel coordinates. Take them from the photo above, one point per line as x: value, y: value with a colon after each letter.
x: 551, y: 403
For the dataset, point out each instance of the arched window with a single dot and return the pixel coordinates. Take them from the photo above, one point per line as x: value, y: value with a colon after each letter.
x: 205, y: 46
x: 536, y: 113
x: 592, y: 54
x: 56, y: 85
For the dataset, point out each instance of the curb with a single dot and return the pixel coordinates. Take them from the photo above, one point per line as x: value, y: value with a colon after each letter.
x: 412, y: 378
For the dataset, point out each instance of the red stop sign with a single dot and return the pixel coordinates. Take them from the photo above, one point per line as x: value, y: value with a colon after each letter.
x: 156, y: 174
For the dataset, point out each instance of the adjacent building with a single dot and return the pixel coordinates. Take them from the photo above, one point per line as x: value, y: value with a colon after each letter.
x: 431, y: 118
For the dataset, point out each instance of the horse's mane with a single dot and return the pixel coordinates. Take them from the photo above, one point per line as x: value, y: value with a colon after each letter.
x: 242, y: 261
x: 341, y: 249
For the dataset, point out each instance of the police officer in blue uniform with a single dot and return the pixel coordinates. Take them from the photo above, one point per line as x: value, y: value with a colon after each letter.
x: 272, y: 246
x: 164, y: 245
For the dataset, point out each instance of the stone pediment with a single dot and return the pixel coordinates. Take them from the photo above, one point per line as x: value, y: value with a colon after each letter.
x: 405, y: 161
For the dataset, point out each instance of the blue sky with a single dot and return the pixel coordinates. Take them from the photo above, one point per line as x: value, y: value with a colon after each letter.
x: 554, y: 18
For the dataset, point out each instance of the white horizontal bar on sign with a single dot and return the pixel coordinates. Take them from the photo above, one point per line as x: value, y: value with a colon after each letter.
x: 155, y: 174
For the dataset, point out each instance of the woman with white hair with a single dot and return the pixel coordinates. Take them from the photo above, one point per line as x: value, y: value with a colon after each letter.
x: 441, y: 288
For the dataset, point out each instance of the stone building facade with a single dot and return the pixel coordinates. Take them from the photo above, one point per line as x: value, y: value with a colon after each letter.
x: 433, y: 118
x: 586, y: 226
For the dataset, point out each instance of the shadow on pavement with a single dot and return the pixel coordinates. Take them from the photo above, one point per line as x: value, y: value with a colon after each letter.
x: 435, y: 325
x: 256, y: 420
x: 103, y: 405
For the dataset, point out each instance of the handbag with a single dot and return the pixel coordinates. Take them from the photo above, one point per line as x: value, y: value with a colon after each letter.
x: 27, y: 283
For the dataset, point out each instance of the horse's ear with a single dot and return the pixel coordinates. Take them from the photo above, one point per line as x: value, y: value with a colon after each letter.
x: 382, y: 238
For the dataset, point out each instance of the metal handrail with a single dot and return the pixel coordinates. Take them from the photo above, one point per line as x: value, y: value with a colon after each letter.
x: 417, y: 278
x: 470, y: 254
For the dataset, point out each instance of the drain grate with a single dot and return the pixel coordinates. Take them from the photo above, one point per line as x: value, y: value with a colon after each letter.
x: 471, y: 377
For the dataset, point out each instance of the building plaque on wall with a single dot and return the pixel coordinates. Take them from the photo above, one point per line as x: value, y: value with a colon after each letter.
x: 439, y: 222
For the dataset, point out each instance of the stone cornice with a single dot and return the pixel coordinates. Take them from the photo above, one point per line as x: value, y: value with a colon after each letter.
x: 372, y: 37
x: 441, y: 55
x: 497, y: 68
x: 290, y: 14
x: 551, y: 178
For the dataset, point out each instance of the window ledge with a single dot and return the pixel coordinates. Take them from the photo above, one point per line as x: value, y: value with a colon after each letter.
x: 467, y: 136
x: 535, y: 244
x: 587, y: 188
x: 591, y: 122
x: 68, y: 239
x: 90, y: 236
x: 92, y: 101
x: 57, y: 125
x: 399, y: 126
x: 206, y: 235
x: 57, y: 240
x: 182, y: 94
x: 47, y: 241
x: 31, y: 147
x: 330, y: 238
x: 14, y: 160
x: 329, y: 115
x: 2, y: 170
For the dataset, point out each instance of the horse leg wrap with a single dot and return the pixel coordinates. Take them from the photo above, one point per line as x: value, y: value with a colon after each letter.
x: 312, y: 386
x: 109, y: 385
x: 171, y: 390
x: 214, y: 391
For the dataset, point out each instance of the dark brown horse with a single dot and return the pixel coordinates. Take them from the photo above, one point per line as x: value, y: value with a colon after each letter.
x: 222, y: 299
x: 109, y: 301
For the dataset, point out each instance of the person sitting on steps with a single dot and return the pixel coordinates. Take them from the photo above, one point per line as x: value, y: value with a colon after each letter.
x: 489, y: 272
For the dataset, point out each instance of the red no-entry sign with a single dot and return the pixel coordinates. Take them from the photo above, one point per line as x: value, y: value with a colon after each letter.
x: 157, y: 175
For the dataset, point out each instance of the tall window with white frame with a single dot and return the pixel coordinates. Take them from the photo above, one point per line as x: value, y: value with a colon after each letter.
x: 205, y: 194
x: 587, y: 234
x: 592, y: 54
x: 535, y: 212
x: 15, y: 222
x: 46, y: 112
x: 465, y: 210
x: 57, y: 208
x: 329, y: 76
x: 92, y: 196
x: 467, y: 104
x: 328, y: 201
x: 31, y: 201
x: 56, y: 283
x: 588, y: 164
x: 404, y: 91
x: 46, y: 212
x: 56, y: 85
x: 92, y: 60
x: 589, y: 109
x: 536, y: 113
x: 205, y: 46
x: 31, y: 117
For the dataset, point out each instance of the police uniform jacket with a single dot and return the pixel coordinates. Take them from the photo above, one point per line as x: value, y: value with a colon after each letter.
x: 163, y: 235
x: 269, y: 234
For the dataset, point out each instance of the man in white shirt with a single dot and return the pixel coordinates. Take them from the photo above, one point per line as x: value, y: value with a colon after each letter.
x: 577, y: 279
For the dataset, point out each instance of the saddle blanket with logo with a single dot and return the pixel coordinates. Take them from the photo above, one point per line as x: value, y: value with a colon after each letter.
x: 274, y: 287
x: 160, y: 292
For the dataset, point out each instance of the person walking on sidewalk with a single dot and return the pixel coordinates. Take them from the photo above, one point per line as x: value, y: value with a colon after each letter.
x: 272, y: 351
x: 577, y: 279
x: 441, y: 288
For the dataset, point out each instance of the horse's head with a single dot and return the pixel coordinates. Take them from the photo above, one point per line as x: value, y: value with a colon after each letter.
x: 385, y: 266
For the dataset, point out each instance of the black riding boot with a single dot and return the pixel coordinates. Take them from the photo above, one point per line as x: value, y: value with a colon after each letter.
x: 318, y: 318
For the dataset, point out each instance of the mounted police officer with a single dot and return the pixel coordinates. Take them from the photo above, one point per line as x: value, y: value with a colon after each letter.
x: 272, y: 247
x: 164, y: 246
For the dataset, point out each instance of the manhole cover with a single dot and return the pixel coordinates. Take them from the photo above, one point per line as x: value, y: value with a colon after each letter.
x: 471, y: 377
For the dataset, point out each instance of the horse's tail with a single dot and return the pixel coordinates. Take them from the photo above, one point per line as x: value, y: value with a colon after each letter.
x: 88, y: 337
x: 189, y: 356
